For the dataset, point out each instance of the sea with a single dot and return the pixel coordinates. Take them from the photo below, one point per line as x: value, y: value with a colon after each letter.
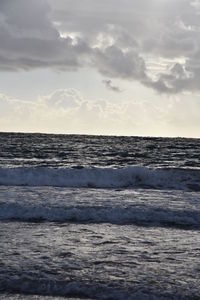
x: 99, y: 217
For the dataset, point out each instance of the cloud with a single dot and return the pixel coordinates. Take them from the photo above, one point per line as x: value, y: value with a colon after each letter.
x: 109, y: 85
x: 115, y: 62
x: 177, y: 79
x: 63, y: 98
x: 119, y: 38
x: 67, y: 111
x: 32, y: 41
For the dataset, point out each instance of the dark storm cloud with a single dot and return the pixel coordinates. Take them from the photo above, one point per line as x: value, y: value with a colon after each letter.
x: 116, y: 37
x: 113, y: 61
x: 29, y: 39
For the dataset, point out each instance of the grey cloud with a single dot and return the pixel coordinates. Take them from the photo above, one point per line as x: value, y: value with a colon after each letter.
x: 33, y: 41
x: 179, y: 78
x: 109, y: 85
x: 115, y: 62
x: 116, y: 37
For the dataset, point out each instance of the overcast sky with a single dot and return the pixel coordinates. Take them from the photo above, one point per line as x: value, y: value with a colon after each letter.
x: 125, y: 67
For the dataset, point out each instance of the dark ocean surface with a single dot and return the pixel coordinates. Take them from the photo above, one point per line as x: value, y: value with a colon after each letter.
x: 44, y: 150
x: 99, y: 217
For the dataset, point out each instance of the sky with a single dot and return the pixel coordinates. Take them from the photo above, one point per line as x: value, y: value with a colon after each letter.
x: 116, y: 67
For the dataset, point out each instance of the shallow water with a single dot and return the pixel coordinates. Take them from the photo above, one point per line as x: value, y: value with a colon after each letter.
x: 94, y: 253
x: 99, y: 261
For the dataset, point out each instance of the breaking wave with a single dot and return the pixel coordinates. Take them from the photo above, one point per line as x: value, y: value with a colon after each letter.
x: 130, y: 177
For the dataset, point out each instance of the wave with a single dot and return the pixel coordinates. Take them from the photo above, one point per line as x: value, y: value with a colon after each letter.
x: 143, y: 215
x: 130, y: 177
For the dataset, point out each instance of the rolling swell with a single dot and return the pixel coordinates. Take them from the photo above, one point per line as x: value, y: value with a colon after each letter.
x: 129, y: 177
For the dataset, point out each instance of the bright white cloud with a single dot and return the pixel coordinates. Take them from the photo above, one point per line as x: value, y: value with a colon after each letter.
x: 66, y: 111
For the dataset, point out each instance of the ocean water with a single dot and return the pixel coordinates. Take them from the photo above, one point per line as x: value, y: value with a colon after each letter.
x: 96, y: 217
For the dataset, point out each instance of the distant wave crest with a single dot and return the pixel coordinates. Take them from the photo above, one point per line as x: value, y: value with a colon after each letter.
x: 130, y: 177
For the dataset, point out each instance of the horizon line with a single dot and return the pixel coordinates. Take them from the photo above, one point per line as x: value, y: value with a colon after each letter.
x: 96, y: 134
